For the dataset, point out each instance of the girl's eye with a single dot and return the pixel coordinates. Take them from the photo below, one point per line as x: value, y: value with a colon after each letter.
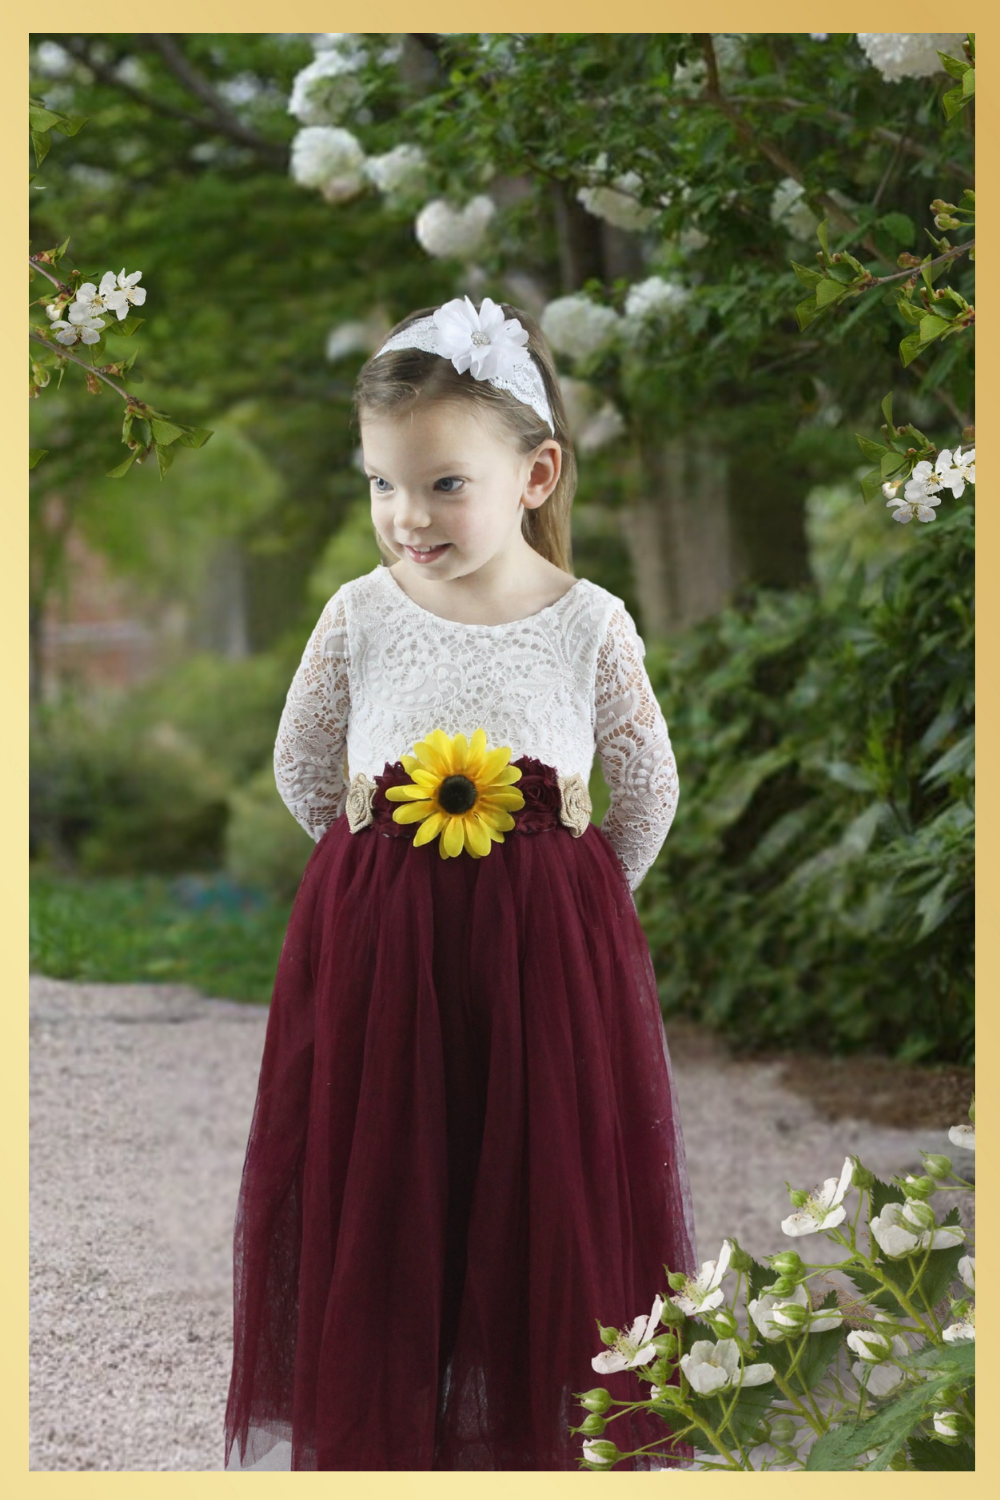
x: 376, y: 481
x: 451, y: 479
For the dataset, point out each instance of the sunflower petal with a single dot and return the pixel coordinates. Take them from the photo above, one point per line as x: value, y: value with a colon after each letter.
x: 430, y: 828
x: 408, y: 793
x: 506, y: 776
x: 426, y: 778
x: 409, y: 763
x: 453, y: 837
x: 504, y: 797
x: 459, y: 751
x: 477, y: 839
x: 493, y: 762
x: 443, y: 745
x: 431, y: 757
x: 412, y: 812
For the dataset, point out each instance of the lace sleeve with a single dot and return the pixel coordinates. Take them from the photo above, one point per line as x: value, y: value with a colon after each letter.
x: 634, y: 749
x: 309, y: 766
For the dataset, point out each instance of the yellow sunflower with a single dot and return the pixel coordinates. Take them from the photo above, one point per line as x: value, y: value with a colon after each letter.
x: 460, y: 790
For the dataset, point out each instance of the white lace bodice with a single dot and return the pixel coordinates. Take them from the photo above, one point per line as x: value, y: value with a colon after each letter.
x: 379, y: 672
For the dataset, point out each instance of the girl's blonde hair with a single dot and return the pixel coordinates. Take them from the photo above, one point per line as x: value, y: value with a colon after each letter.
x: 408, y: 377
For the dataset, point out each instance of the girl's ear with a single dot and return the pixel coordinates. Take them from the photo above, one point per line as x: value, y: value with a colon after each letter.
x: 543, y: 476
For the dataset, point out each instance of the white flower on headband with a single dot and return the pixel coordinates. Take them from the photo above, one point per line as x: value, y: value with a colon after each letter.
x: 484, y: 342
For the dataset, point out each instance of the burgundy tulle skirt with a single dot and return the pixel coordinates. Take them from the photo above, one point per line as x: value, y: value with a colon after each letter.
x: 464, y: 1154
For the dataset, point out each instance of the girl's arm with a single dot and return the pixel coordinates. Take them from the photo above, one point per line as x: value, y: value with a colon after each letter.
x: 312, y: 735
x: 633, y: 745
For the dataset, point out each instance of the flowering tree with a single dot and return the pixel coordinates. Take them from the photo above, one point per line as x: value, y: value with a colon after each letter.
x: 78, y: 313
x: 867, y: 1363
x: 672, y: 242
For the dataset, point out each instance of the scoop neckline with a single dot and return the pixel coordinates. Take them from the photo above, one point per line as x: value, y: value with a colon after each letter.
x: 468, y: 624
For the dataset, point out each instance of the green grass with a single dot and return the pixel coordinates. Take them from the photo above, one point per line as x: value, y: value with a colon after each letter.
x: 197, y: 930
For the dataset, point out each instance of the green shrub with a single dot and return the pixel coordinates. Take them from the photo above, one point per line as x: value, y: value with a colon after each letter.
x: 265, y: 847
x: 107, y: 797
x: 816, y: 888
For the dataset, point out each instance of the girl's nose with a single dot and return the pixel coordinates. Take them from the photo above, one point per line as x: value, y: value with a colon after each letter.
x: 411, y: 512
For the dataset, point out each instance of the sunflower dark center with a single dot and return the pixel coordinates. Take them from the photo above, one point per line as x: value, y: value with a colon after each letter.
x: 457, y: 794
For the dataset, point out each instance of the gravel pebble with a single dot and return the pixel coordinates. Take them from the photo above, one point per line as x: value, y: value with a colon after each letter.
x: 140, y: 1104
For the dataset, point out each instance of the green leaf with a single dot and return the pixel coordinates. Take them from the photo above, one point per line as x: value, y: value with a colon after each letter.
x: 127, y: 326
x: 870, y: 448
x: 806, y: 274
x: 892, y: 461
x: 928, y: 1454
x: 910, y: 347
x: 969, y: 83
x: 41, y: 145
x: 196, y: 438
x: 828, y: 291
x: 805, y: 312
x: 886, y: 1431
x: 899, y: 226
x: 953, y: 65
x: 164, y: 458
x: 122, y: 468
x: 35, y: 455
x: 871, y: 484
x: 70, y: 124
x: 821, y: 235
x: 887, y: 409
x: 165, y: 432
x: 931, y: 327
x: 41, y: 118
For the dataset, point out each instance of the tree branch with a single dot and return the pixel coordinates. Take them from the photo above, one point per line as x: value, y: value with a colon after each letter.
x: 914, y: 271
x: 75, y: 359
x: 230, y: 124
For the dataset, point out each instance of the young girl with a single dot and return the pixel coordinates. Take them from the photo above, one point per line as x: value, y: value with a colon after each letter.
x: 465, y: 1151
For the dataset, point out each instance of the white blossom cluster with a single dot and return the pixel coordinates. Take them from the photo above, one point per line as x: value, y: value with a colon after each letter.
x: 790, y: 209
x: 579, y: 327
x: 949, y: 471
x: 617, y: 202
x: 909, y: 54
x: 83, y: 321
x: 653, y: 296
x: 398, y: 173
x: 446, y: 232
x: 331, y: 159
x: 324, y: 90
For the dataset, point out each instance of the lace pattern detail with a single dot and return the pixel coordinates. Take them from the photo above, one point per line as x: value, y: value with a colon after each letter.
x: 379, y: 671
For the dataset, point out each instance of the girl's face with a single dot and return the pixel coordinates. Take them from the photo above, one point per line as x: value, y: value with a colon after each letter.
x: 444, y: 477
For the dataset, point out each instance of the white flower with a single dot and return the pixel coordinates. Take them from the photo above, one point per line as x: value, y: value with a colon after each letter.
x: 964, y: 1136
x: 967, y: 1271
x: 603, y: 428
x: 789, y: 208
x: 712, y: 1367
x: 692, y: 238
x: 884, y: 1376
x: 909, y: 54
x: 399, y: 171
x: 919, y: 507
x: 444, y: 231
x: 769, y: 1314
x: 634, y: 1347
x: 824, y: 1208
x: 946, y: 1423
x: 328, y: 158
x: 705, y: 1290
x: 962, y: 1332
x: 87, y: 329
x: 326, y: 88
x: 899, y: 1233
x: 871, y: 1346
x: 589, y: 1444
x: 354, y: 337
x: 925, y: 479
x: 578, y: 327
x: 957, y: 469
x: 120, y: 292
x: 486, y: 342
x: 654, y: 295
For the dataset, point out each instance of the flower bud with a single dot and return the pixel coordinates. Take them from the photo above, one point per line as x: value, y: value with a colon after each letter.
x: 788, y: 1263
x: 920, y: 1187
x: 677, y: 1281
x: 608, y: 1335
x: 782, y: 1430
x: 790, y: 1315
x: 861, y: 1177
x: 723, y: 1322
x: 593, y: 1425
x: 665, y: 1345
x: 799, y: 1197
x: 671, y: 1315
x: 739, y: 1260
x: 919, y: 1213
x: 39, y: 374
x: 937, y: 1166
x: 602, y: 1452
x: 783, y: 1287
x: 596, y: 1400
x: 668, y: 1395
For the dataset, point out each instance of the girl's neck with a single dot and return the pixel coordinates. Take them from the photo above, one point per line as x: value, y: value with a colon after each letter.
x: 532, y: 585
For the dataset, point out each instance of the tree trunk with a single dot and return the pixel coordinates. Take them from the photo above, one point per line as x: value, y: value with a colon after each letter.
x: 680, y: 535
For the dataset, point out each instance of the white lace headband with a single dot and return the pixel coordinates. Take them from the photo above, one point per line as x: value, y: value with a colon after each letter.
x: 488, y: 345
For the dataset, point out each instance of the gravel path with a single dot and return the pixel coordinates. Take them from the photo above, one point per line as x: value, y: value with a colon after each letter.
x: 140, y: 1104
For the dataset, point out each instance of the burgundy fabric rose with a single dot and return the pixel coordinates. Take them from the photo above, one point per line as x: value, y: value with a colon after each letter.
x: 395, y: 774
x: 539, y: 786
